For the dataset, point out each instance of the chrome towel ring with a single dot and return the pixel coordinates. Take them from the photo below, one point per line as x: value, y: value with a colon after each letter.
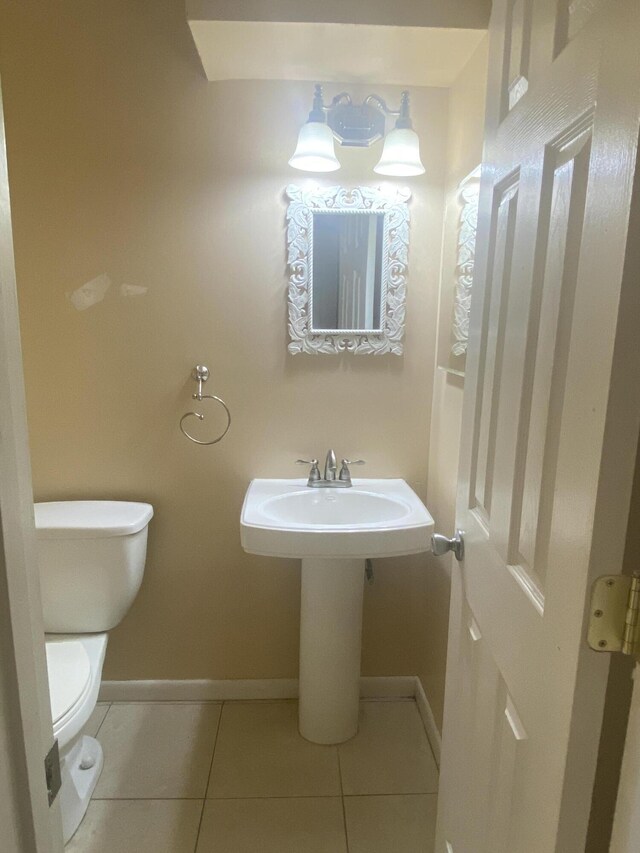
x: 201, y: 373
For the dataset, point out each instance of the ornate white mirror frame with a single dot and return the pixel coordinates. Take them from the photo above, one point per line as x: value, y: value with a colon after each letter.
x: 303, y: 204
x: 469, y: 193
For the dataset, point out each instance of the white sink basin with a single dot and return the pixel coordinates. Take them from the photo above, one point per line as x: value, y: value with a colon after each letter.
x: 373, y: 518
x: 332, y: 531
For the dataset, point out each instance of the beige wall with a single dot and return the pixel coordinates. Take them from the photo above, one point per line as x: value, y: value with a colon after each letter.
x: 464, y: 153
x: 124, y: 161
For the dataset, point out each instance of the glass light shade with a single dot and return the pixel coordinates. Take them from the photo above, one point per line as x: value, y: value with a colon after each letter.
x: 401, y: 154
x: 315, y: 151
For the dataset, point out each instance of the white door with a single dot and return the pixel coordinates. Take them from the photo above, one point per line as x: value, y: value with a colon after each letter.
x: 625, y: 837
x: 26, y: 733
x: 550, y: 425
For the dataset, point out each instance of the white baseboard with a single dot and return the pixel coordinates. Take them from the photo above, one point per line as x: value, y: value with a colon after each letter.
x: 428, y: 720
x: 208, y: 690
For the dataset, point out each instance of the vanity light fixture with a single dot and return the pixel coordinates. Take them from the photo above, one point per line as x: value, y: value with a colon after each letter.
x: 315, y: 151
x: 360, y: 126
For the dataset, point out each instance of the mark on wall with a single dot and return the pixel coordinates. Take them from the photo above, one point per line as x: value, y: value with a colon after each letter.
x: 90, y: 293
x: 133, y: 290
x: 94, y: 291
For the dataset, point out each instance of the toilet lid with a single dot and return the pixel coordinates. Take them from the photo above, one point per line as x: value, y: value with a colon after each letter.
x: 69, y: 672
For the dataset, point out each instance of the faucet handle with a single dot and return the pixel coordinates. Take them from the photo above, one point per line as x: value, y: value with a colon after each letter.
x: 314, y: 473
x: 345, y: 474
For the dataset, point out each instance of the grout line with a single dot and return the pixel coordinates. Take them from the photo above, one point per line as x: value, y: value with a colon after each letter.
x: 339, y: 770
x: 281, y: 797
x: 213, y: 755
x: 258, y: 701
x: 174, y: 701
x: 344, y: 812
x: 226, y: 799
x: 277, y: 797
x: 395, y: 794
x: 102, y: 722
x: 146, y: 799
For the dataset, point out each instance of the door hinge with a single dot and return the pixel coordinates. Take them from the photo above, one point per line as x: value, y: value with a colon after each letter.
x: 52, y: 772
x: 614, y: 620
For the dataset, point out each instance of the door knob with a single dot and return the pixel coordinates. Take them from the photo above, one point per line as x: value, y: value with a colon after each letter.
x: 440, y: 545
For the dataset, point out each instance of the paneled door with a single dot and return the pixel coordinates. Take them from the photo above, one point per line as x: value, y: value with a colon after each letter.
x: 550, y: 425
x: 27, y: 820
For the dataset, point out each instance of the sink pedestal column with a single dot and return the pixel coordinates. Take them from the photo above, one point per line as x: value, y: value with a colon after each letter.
x: 330, y: 647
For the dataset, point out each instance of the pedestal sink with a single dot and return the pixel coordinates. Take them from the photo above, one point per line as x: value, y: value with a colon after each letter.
x: 333, y: 532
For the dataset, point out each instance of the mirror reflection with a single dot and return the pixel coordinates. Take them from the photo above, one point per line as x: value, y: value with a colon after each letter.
x: 346, y: 290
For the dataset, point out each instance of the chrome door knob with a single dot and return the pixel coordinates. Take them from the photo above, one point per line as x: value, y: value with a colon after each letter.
x: 441, y: 545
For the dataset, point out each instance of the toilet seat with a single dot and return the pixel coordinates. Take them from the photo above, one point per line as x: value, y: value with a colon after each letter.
x: 69, y: 671
x: 74, y: 666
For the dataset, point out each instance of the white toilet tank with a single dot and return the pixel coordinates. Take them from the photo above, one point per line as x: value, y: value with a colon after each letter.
x: 91, y: 558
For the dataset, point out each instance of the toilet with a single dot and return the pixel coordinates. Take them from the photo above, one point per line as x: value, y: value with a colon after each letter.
x: 91, y: 559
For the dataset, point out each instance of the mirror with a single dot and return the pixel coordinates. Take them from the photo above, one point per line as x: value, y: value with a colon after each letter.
x: 347, y: 254
x: 347, y: 271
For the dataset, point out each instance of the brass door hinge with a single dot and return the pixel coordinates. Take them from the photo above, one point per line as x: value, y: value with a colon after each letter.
x: 614, y: 621
x: 52, y: 772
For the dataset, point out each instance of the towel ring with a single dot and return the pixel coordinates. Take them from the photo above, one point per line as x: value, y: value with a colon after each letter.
x: 201, y: 373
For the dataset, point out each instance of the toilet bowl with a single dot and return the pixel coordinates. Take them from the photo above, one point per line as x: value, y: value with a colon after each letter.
x: 91, y: 558
x: 74, y: 666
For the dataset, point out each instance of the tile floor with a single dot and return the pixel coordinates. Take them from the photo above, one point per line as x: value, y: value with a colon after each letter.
x: 236, y: 777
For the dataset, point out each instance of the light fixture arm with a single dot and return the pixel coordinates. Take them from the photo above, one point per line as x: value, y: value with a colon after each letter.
x: 319, y: 109
x: 404, y: 117
x: 341, y: 98
x: 381, y: 104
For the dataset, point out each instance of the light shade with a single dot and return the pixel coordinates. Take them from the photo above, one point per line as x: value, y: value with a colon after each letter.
x: 315, y: 151
x: 401, y: 154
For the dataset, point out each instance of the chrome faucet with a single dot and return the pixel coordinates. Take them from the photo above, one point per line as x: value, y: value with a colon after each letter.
x: 330, y: 481
x: 330, y: 467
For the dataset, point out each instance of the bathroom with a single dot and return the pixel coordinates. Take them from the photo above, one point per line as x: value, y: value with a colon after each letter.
x: 148, y: 211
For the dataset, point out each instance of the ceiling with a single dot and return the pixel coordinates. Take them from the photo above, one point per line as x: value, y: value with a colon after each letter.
x: 471, y: 14
x: 333, y: 52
